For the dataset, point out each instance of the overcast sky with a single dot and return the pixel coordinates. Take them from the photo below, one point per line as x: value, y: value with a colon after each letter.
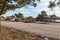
x: 34, y: 11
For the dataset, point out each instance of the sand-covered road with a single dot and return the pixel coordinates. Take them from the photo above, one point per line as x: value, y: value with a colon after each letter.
x: 51, y: 30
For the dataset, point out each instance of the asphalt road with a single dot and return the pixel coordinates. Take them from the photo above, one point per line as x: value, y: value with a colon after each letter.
x: 51, y: 30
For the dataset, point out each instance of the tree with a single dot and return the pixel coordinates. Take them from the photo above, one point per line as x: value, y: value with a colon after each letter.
x: 29, y: 19
x: 53, y: 17
x: 39, y: 17
x: 7, y: 5
x: 19, y: 15
x: 4, y: 6
x: 43, y: 13
x: 42, y: 16
x: 34, y: 4
x: 58, y: 3
x: 13, y: 16
x: 52, y: 5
